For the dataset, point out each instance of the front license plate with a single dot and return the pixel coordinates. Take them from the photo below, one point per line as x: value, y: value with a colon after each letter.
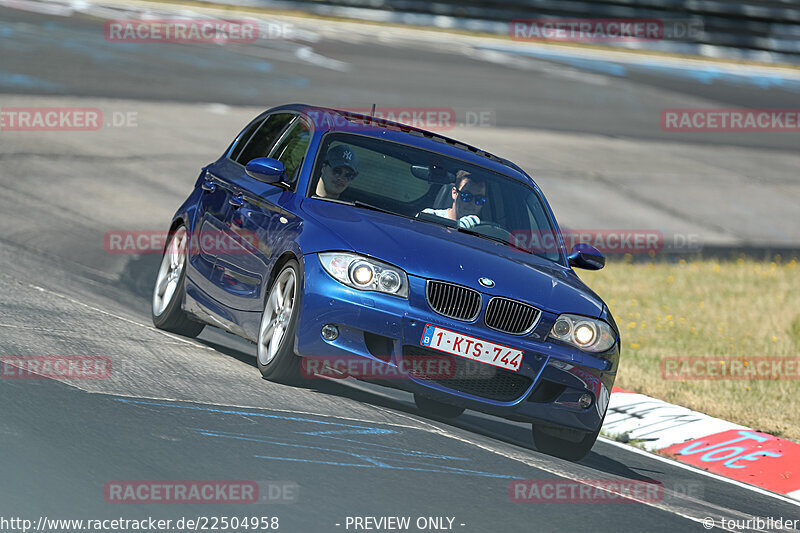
x: 471, y: 348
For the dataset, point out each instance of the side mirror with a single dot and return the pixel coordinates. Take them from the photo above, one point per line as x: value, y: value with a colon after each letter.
x: 586, y: 256
x: 266, y: 169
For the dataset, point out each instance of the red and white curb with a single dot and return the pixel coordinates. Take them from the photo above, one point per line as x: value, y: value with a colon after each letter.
x: 721, y: 447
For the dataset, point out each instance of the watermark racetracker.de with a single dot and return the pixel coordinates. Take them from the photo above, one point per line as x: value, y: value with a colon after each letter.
x: 210, y: 241
x: 730, y: 368
x: 607, y: 241
x: 584, y: 491
x: 603, y: 491
x: 180, y: 492
x: 730, y: 120
x: 195, y: 30
x: 55, y: 367
x: 424, y: 367
x: 593, y: 30
x: 427, y: 118
x: 64, y: 119
x: 67, y: 367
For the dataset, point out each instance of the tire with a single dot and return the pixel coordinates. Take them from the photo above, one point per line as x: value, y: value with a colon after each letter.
x: 169, y: 289
x: 571, y: 450
x: 276, y: 358
x: 436, y: 408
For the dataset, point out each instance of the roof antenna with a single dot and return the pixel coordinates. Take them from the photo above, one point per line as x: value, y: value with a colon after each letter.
x: 372, y: 114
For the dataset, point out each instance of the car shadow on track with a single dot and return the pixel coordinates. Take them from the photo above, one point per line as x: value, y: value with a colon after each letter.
x: 515, y: 434
x: 234, y: 352
x: 138, y: 276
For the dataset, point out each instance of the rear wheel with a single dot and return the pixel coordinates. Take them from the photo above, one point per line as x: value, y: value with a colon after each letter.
x: 568, y: 444
x: 276, y: 358
x: 168, y: 292
x: 436, y: 408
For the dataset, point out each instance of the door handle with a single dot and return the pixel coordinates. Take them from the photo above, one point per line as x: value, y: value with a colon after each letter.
x: 208, y: 186
x: 236, y: 201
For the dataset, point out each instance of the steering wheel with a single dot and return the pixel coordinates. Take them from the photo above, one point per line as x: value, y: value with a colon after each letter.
x: 496, y: 230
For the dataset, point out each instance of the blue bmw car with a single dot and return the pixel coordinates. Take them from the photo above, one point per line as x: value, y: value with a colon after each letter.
x: 327, y: 234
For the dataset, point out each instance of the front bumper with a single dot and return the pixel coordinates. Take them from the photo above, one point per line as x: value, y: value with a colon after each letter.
x: 386, y: 329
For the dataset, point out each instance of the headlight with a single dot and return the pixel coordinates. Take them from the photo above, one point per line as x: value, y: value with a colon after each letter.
x: 588, y: 334
x: 364, y: 273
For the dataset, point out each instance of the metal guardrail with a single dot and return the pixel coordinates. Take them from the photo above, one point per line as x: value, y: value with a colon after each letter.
x: 767, y: 25
x: 767, y: 30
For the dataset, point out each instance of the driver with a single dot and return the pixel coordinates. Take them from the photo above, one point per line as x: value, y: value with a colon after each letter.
x: 338, y: 170
x: 469, y: 196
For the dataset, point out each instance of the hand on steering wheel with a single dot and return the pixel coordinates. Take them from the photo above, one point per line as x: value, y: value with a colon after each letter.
x: 469, y: 221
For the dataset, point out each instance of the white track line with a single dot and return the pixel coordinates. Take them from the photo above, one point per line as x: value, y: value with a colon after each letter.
x: 181, y: 340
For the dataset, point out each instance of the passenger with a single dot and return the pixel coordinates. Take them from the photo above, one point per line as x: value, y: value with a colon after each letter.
x: 339, y: 169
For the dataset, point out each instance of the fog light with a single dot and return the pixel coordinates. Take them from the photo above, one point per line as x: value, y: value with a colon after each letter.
x: 585, y: 401
x: 330, y: 332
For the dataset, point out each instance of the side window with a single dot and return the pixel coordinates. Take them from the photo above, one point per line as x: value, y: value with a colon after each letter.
x: 262, y: 140
x: 237, y: 148
x: 292, y: 148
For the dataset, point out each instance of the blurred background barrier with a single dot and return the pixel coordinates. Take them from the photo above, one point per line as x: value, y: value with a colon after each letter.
x: 764, y: 30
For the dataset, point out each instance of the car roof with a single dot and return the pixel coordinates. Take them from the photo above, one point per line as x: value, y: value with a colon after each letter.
x: 326, y: 119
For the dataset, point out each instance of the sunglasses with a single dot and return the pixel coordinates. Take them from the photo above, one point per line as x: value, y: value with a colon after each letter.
x: 343, y: 171
x: 468, y: 197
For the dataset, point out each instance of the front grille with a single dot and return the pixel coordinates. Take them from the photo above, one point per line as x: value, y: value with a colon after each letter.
x: 511, y: 316
x: 453, y: 301
x: 477, y: 379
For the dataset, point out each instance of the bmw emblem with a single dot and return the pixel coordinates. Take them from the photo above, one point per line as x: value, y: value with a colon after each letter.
x: 486, y: 282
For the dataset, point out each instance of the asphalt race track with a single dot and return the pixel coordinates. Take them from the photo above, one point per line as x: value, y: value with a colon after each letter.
x: 180, y: 409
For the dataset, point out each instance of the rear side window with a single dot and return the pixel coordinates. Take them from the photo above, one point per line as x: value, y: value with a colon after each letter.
x: 291, y: 149
x: 260, y: 143
x: 245, y: 136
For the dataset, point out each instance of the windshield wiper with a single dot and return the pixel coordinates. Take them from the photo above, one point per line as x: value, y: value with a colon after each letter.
x: 363, y: 205
x: 495, y: 239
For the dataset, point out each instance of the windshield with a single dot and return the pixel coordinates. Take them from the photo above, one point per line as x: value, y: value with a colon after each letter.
x: 428, y: 186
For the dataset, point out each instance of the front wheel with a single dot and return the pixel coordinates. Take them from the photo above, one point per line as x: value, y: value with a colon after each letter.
x: 168, y: 292
x: 276, y: 358
x: 573, y: 448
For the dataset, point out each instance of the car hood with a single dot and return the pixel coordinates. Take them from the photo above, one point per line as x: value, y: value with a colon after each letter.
x: 431, y: 251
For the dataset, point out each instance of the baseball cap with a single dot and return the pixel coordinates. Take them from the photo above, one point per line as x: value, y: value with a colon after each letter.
x: 342, y: 156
